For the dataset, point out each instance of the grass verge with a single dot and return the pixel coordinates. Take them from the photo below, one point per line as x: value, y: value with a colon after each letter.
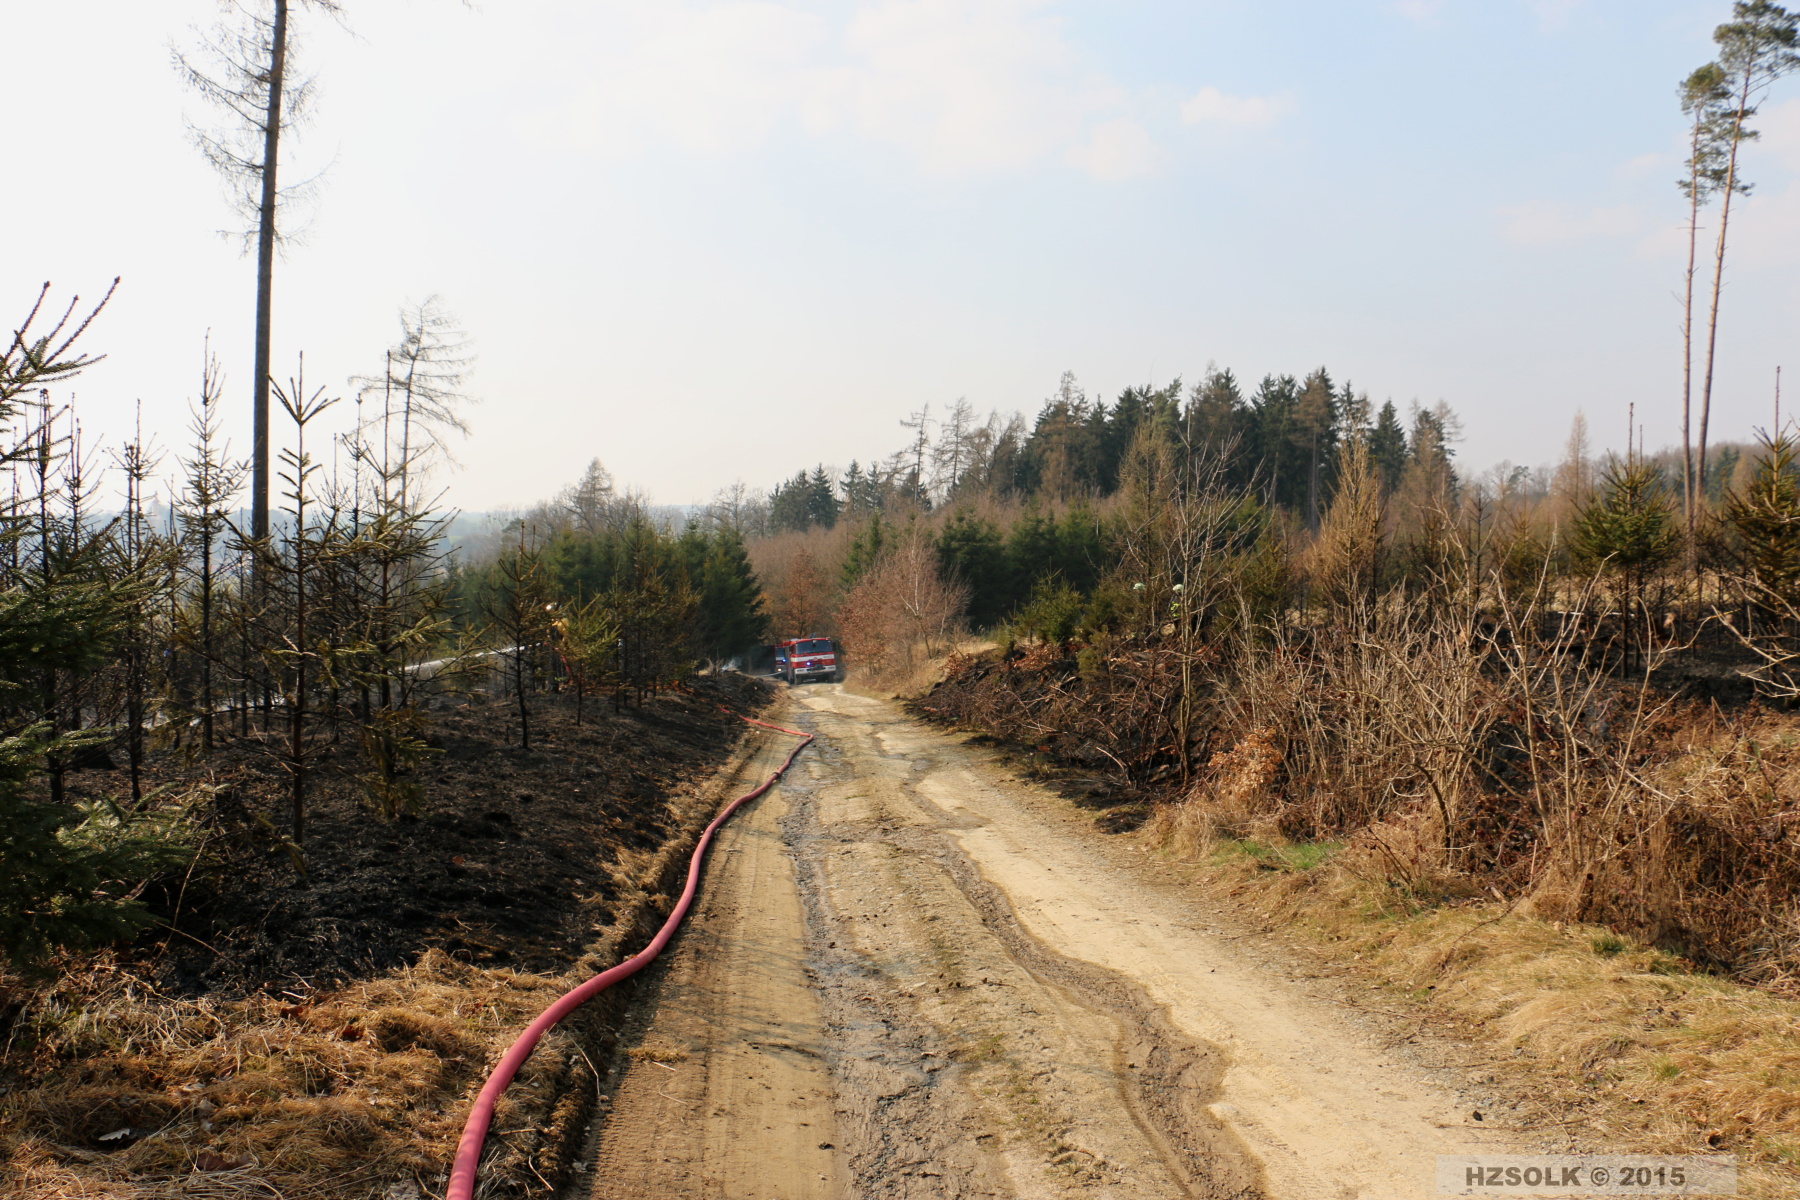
x: 1618, y: 1045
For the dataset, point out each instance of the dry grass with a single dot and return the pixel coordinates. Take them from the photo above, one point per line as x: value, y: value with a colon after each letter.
x: 657, y: 1051
x: 1234, y: 806
x: 913, y: 672
x: 1467, y: 760
x: 297, y: 1095
x: 1621, y: 1044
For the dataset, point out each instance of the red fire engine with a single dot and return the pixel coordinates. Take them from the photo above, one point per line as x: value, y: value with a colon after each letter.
x: 799, y: 660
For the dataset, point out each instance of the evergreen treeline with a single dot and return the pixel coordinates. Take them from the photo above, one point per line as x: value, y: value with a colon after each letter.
x: 1018, y: 508
x: 694, y: 593
x: 1280, y: 440
x: 1031, y: 523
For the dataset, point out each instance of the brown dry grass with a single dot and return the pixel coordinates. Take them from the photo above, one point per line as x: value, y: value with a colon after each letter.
x: 297, y: 1095
x: 909, y: 674
x: 1622, y: 1045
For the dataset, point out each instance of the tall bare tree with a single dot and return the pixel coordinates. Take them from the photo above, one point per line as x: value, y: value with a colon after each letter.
x: 592, y: 500
x: 1756, y: 47
x: 246, y: 70
x: 952, y: 457
x: 920, y: 424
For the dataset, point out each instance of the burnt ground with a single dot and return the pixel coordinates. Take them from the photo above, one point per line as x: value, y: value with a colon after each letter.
x: 317, y: 1035
x: 510, y: 863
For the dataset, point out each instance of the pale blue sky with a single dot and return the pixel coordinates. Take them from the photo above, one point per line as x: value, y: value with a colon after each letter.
x: 714, y: 240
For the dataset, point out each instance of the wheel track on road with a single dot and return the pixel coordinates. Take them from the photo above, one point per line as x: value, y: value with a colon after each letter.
x: 1164, y: 1078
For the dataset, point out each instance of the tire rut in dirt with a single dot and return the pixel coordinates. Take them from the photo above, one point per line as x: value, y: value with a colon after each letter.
x: 1164, y: 1078
x: 897, y: 1117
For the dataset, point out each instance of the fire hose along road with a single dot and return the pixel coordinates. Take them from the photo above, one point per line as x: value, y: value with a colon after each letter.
x: 481, y: 1115
x: 910, y: 976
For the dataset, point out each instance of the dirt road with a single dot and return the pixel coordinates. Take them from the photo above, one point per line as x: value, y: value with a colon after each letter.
x: 913, y: 977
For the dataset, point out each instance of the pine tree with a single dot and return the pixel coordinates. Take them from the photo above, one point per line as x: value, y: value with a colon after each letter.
x: 1065, y: 443
x: 970, y: 551
x: 1129, y: 412
x: 1765, y: 517
x: 1215, y: 414
x: 518, y: 612
x: 1705, y: 97
x: 731, y: 609
x: 1080, y: 547
x: 1275, y: 442
x: 790, y: 505
x: 864, y: 552
x: 297, y: 654
x: 587, y: 636
x: 1628, y: 531
x: 1031, y: 554
x: 855, y: 486
x: 821, y: 500
x: 1757, y: 47
x: 68, y: 872
x: 211, y: 481
x: 1316, y: 420
x: 1387, y: 447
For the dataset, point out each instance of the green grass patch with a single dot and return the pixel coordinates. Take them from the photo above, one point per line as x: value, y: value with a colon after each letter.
x: 1285, y: 856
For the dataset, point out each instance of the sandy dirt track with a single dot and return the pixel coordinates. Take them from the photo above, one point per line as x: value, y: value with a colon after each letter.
x: 911, y: 976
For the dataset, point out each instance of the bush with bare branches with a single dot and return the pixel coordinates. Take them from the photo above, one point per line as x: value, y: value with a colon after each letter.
x: 901, y: 609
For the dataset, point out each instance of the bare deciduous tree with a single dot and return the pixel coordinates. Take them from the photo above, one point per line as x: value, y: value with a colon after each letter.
x: 952, y: 457
x: 902, y: 606
x: 592, y: 499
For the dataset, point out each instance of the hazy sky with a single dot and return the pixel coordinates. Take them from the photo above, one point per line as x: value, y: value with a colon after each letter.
x: 704, y: 241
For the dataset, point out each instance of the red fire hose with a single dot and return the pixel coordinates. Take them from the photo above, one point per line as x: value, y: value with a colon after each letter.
x: 468, y: 1151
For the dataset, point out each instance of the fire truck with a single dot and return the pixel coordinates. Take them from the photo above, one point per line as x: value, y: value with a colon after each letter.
x: 800, y: 660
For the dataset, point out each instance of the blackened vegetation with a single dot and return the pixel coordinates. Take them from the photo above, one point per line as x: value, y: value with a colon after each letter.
x: 1096, y: 726
x: 512, y: 861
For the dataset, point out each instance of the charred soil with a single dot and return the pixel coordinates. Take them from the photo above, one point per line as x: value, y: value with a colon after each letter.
x: 507, y: 864
x: 295, y: 1033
